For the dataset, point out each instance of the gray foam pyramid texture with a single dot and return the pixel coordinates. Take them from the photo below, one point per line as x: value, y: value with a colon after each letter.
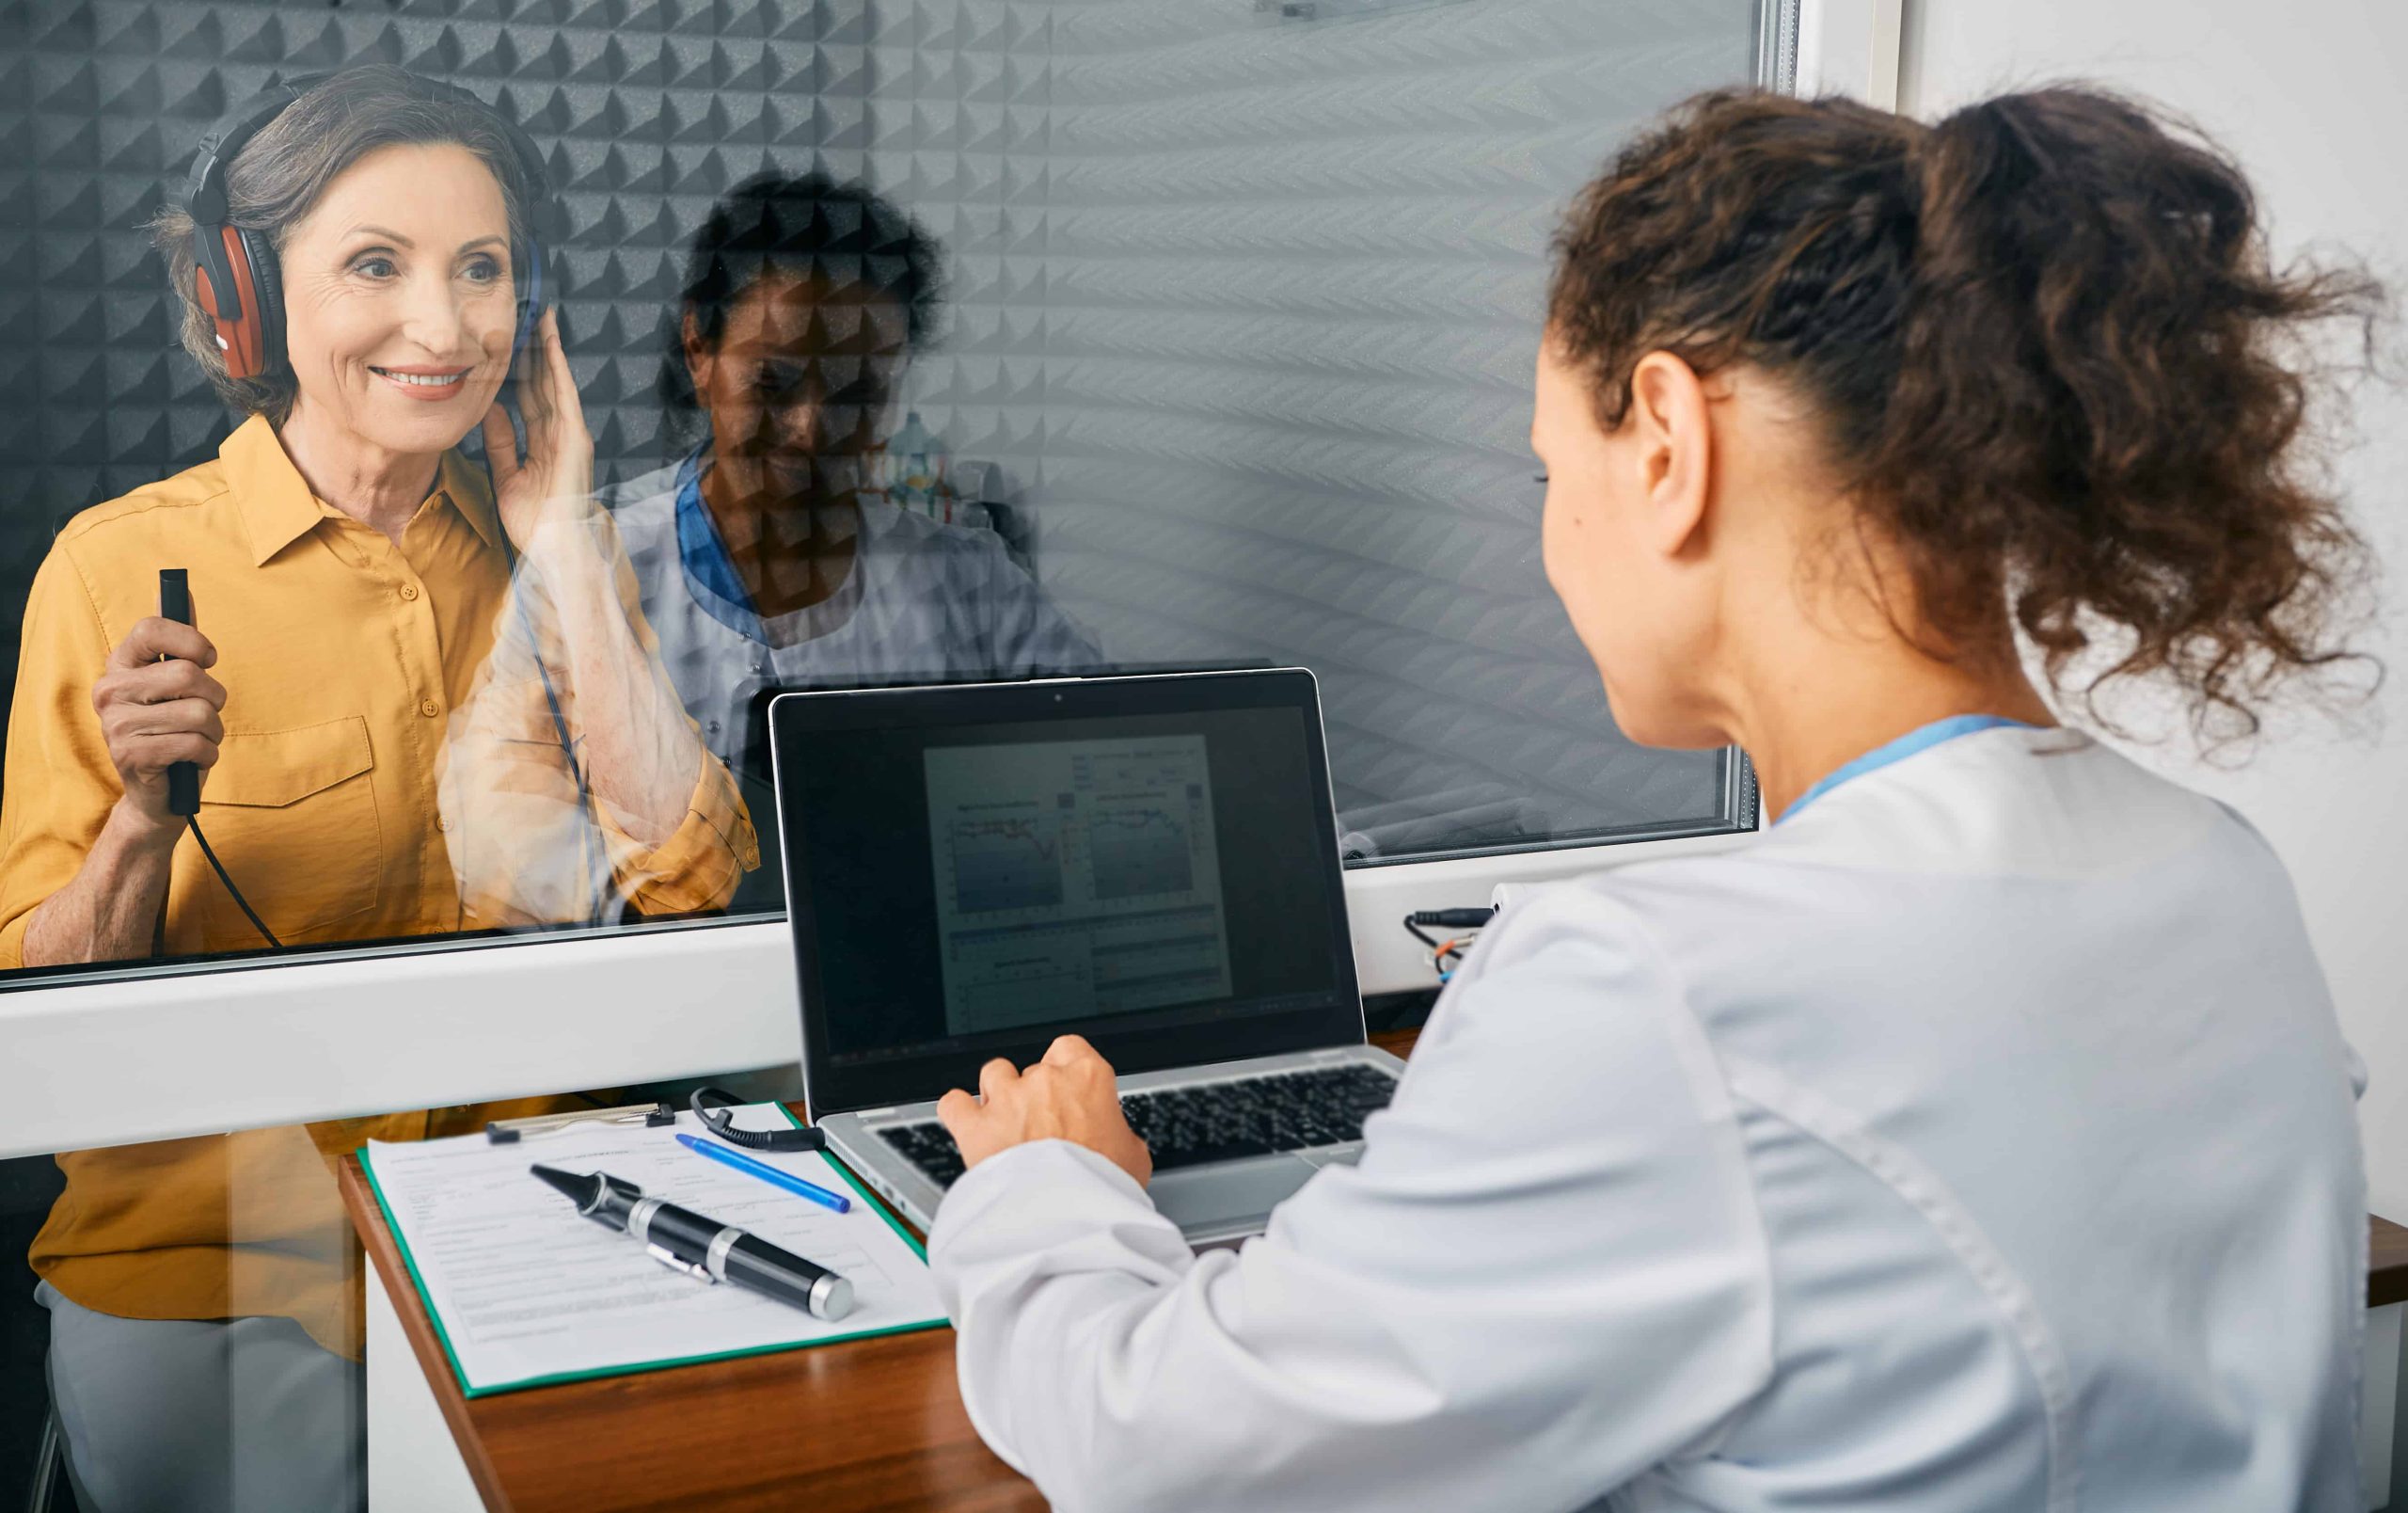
x: 1244, y: 302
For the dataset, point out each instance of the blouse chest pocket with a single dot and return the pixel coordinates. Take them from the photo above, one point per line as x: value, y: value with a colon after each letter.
x: 293, y: 816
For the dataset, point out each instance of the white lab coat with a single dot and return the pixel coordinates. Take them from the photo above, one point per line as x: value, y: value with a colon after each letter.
x: 1981, y: 1139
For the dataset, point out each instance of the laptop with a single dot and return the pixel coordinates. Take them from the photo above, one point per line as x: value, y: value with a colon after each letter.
x: 1149, y: 862
x: 764, y: 888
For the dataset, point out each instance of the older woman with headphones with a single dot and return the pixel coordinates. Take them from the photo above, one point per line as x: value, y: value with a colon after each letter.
x: 418, y: 701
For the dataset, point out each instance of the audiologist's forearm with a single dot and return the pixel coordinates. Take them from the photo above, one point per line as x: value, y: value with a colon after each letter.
x: 108, y: 910
x: 641, y: 753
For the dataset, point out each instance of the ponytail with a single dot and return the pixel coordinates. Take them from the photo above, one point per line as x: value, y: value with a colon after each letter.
x: 2053, y: 367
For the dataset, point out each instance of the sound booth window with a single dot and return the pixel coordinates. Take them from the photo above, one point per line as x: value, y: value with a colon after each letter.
x: 914, y: 339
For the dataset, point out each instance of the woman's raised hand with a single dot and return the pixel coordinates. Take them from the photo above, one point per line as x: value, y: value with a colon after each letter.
x: 556, y: 476
x: 155, y: 714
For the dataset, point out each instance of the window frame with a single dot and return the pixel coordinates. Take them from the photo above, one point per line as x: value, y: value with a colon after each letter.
x: 117, y: 1057
x: 340, y: 1034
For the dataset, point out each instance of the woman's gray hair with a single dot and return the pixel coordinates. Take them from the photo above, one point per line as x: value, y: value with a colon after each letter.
x: 278, y: 177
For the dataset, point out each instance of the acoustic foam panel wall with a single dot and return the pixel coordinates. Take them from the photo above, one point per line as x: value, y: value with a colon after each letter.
x: 1244, y: 305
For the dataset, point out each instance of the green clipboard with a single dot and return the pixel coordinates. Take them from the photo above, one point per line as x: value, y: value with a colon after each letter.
x: 368, y: 1165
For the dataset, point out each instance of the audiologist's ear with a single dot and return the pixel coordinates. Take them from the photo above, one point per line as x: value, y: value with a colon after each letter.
x: 699, y: 355
x: 1675, y: 453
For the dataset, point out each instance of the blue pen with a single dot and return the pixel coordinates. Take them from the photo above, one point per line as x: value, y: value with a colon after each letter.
x: 767, y: 1173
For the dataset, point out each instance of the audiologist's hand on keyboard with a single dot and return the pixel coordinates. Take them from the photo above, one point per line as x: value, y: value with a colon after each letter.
x: 1068, y: 1096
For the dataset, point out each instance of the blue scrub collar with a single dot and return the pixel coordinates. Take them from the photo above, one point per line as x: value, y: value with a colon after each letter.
x: 709, y: 569
x: 1937, y: 733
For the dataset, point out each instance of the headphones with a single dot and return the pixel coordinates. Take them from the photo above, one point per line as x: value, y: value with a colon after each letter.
x: 238, y: 281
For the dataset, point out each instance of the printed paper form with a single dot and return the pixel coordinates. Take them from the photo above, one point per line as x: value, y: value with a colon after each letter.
x: 524, y: 1289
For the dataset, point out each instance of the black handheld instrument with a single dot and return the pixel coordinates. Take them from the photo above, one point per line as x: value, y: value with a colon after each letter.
x: 183, y: 778
x: 683, y: 1240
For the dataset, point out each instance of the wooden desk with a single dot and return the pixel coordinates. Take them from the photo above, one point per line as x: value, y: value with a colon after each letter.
x: 2387, y: 1265
x: 869, y: 1423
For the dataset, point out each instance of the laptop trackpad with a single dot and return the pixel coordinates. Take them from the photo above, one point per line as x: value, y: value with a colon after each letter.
x: 1220, y: 1194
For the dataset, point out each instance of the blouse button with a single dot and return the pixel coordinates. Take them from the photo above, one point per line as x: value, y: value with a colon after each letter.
x: 714, y: 727
x: 410, y: 591
x: 429, y: 708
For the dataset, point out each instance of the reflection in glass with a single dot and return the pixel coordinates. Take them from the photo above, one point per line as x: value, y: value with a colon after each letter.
x: 789, y: 546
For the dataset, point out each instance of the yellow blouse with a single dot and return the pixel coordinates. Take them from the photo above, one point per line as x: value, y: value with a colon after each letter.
x: 345, y: 658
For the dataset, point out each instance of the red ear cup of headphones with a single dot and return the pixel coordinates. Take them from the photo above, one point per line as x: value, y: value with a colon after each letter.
x: 251, y: 342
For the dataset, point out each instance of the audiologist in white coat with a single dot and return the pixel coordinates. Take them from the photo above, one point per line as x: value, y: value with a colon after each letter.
x: 1981, y: 1136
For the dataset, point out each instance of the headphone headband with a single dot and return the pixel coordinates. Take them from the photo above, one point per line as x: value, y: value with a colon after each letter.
x: 205, y: 188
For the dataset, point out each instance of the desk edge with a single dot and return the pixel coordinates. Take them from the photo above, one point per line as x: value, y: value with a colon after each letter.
x: 376, y: 1239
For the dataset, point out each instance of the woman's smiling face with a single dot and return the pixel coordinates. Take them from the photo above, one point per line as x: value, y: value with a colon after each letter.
x: 397, y: 300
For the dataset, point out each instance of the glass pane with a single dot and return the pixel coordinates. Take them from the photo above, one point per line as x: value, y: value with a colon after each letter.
x: 914, y: 340
x: 1277, y: 278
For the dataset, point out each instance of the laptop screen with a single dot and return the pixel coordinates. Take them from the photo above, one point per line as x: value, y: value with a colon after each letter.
x: 1147, y: 862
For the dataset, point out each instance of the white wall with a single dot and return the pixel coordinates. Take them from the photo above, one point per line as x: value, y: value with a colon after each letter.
x: 2308, y: 93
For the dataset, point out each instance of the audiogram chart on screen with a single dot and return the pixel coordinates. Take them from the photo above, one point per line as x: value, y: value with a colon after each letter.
x: 1075, y: 878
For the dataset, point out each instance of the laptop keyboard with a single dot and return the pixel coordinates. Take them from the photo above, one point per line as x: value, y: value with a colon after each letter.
x: 1214, y: 1121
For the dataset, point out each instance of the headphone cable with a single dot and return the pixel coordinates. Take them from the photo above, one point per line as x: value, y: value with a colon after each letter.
x: 219, y: 868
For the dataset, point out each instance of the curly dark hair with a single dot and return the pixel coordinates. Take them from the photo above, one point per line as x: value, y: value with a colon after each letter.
x: 806, y: 224
x: 2053, y: 367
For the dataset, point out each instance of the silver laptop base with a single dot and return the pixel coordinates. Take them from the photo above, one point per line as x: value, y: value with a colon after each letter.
x: 1213, y: 1201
